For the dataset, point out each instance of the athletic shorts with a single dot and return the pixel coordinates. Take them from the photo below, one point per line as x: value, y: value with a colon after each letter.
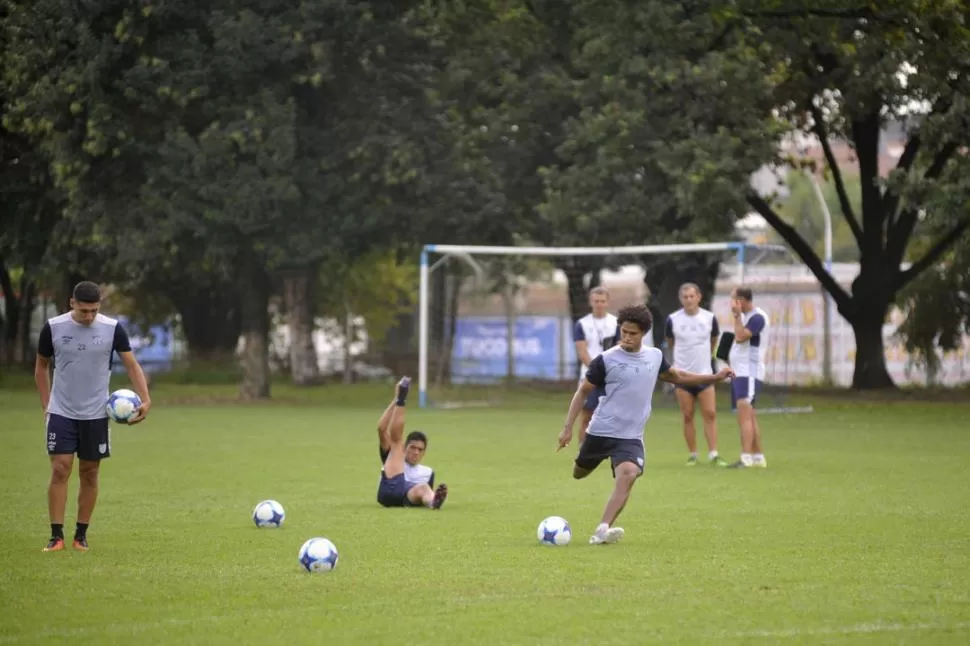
x: 744, y: 388
x: 89, y: 438
x: 597, y: 448
x: 693, y: 390
x: 393, y: 492
x: 593, y: 399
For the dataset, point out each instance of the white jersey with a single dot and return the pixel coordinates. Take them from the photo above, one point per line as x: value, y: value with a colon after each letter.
x: 692, y: 335
x: 413, y: 473
x: 628, y: 380
x: 600, y: 334
x: 748, y: 358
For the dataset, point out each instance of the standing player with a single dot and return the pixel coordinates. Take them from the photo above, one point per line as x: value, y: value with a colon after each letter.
x: 405, y: 482
x: 628, y: 374
x: 81, y: 343
x: 593, y: 334
x: 692, y: 334
x: 747, y: 357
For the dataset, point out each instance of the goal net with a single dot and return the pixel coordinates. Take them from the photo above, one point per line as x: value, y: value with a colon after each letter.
x: 496, y: 323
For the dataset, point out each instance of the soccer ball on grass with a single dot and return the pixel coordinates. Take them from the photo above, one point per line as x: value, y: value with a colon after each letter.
x: 268, y: 513
x: 122, y: 405
x: 318, y: 555
x: 554, y: 531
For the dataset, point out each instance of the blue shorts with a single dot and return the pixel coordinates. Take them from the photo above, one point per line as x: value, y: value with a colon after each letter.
x: 89, y: 438
x: 693, y: 390
x: 593, y: 399
x: 393, y: 492
x: 744, y: 388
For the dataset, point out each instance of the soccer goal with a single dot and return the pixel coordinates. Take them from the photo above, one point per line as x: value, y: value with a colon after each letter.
x: 495, y: 323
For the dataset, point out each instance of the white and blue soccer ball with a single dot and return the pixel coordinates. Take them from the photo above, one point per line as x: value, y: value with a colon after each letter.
x: 122, y: 405
x: 318, y: 555
x: 554, y: 531
x: 268, y: 513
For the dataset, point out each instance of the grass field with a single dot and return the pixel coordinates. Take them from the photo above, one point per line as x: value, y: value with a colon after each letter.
x: 857, y: 532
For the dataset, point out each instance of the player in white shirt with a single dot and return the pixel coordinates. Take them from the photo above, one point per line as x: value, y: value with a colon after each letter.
x: 405, y: 482
x: 593, y: 334
x: 692, y: 334
x: 747, y: 358
x: 627, y: 375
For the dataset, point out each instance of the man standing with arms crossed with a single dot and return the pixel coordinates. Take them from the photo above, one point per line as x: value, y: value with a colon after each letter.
x: 81, y: 343
x: 692, y: 333
x: 593, y: 334
x: 747, y: 358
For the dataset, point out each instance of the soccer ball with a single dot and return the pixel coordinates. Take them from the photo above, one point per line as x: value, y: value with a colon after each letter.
x: 122, y: 405
x: 268, y: 513
x: 554, y: 531
x: 318, y: 555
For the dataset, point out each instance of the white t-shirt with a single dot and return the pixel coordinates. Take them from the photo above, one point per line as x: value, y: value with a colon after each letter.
x: 600, y: 334
x: 748, y: 358
x: 692, y: 339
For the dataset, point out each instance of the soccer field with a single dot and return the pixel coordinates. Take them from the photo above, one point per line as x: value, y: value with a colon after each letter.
x: 856, y: 533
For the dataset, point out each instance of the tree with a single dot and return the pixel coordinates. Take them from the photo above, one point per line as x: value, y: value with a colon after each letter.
x: 800, y: 209
x: 846, y: 73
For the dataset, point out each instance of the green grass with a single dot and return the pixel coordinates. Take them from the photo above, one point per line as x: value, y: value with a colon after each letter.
x: 857, y: 532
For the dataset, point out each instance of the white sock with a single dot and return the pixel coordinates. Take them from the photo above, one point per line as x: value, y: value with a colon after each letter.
x: 711, y: 455
x: 601, y: 529
x: 758, y: 458
x: 746, y: 459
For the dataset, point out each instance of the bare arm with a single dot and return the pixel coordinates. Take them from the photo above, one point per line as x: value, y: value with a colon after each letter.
x: 575, y: 406
x: 741, y: 333
x: 683, y: 378
x: 42, y: 377
x: 582, y: 351
x: 138, y: 382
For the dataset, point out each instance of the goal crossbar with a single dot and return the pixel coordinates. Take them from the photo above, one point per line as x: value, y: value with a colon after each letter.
x: 466, y: 251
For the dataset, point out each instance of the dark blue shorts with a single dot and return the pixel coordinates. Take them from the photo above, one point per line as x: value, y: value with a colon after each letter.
x: 693, y: 390
x: 596, y: 448
x: 89, y: 438
x: 593, y: 399
x: 744, y: 388
x: 393, y: 492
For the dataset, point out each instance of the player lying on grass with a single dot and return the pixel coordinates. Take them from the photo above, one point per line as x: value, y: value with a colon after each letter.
x: 405, y: 482
x: 628, y: 374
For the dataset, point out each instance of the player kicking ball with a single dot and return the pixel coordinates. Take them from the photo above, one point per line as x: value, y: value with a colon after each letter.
x: 628, y: 374
x: 405, y: 482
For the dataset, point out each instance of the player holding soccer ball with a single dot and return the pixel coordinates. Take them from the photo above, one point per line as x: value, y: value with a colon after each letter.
x: 405, y: 482
x: 80, y: 343
x: 628, y: 374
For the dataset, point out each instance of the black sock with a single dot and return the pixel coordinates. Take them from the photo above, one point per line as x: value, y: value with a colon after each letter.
x: 82, y: 531
x: 57, y: 530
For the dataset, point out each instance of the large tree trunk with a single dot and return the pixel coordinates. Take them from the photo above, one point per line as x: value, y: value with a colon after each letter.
x: 28, y: 300
x: 665, y: 275
x: 10, y: 323
x: 210, y: 321
x: 870, y: 351
x: 255, y: 331
x: 299, y: 294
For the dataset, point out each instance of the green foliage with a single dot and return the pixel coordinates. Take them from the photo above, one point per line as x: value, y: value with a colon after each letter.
x: 801, y: 209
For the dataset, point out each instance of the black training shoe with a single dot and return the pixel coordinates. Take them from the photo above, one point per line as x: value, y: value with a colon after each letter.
x: 439, y: 496
x: 402, y: 389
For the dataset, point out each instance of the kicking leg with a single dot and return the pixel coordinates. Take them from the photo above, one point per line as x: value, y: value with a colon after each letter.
x: 626, y: 474
x: 586, y: 416
x: 394, y: 465
x: 382, y: 426
x: 686, y: 402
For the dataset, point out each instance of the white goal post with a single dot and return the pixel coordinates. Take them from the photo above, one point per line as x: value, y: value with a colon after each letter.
x: 465, y: 252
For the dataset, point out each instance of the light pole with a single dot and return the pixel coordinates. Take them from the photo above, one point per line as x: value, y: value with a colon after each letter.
x: 826, y: 297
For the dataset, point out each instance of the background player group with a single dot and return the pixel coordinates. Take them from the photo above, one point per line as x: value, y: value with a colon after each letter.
x: 620, y: 371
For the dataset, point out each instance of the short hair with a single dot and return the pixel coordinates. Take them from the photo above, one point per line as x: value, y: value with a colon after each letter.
x: 744, y: 292
x: 599, y: 289
x: 691, y: 286
x: 416, y: 436
x: 87, y: 292
x: 638, y: 314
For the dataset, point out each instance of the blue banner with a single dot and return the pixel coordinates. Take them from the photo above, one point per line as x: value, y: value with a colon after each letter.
x: 480, y: 352
x: 152, y: 348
